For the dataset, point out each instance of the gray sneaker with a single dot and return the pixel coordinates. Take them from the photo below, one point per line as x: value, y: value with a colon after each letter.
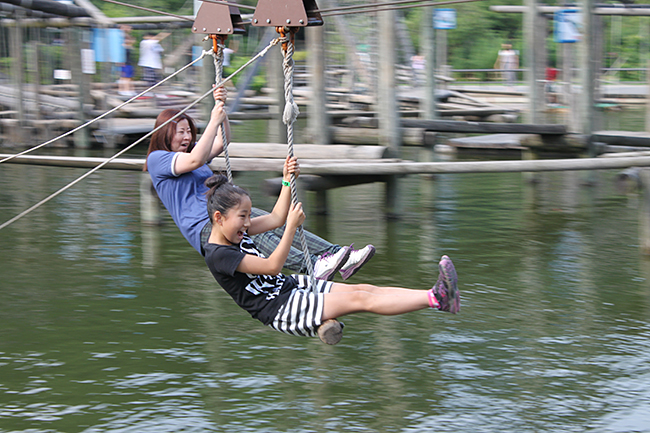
x: 329, y: 264
x: 446, y: 288
x: 357, y: 259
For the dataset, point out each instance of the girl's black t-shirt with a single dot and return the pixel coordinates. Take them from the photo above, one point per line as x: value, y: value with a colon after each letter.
x: 261, y: 295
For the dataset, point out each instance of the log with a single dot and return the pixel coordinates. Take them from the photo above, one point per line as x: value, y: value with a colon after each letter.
x: 622, y: 138
x: 310, y: 182
x: 306, y: 151
x: 366, y: 167
x: 410, y: 136
x: 483, y: 127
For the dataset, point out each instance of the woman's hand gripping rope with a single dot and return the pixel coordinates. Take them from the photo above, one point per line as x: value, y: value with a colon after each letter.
x: 218, y: 113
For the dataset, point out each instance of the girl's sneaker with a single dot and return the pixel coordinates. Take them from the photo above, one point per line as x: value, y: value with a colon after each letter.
x: 357, y: 259
x: 446, y: 288
x: 329, y: 264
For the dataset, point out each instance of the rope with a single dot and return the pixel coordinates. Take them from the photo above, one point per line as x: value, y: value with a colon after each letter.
x: 90, y: 122
x: 126, y: 149
x: 218, y: 67
x: 289, y: 116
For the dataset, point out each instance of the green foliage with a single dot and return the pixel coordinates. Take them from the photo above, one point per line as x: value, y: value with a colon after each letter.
x: 259, y: 81
x: 472, y: 45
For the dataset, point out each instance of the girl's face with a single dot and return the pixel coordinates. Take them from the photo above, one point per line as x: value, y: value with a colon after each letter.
x: 183, y: 136
x: 236, y: 221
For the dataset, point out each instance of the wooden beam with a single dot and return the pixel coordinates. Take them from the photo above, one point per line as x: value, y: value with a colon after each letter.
x: 484, y: 127
x: 363, y: 167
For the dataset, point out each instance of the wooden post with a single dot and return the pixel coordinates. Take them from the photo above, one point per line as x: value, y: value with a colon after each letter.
x: 647, y: 101
x: 36, y: 76
x: 275, y: 79
x: 596, y: 55
x: 644, y: 211
x: 568, y: 54
x: 534, y: 37
x: 317, y: 121
x: 429, y: 48
x: 149, y: 203
x: 75, y: 43
x: 441, y: 41
x: 17, y: 72
x: 587, y: 70
x: 387, y: 102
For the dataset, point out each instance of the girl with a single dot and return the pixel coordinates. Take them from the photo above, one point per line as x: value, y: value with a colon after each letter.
x: 291, y: 304
x: 179, y: 168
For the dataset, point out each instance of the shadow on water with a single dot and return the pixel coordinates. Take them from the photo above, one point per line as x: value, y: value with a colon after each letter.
x: 106, y: 325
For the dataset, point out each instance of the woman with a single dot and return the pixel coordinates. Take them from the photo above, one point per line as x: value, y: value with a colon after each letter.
x: 178, y: 166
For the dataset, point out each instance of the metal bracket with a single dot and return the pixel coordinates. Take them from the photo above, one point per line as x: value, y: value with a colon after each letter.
x: 218, y: 19
x: 290, y: 13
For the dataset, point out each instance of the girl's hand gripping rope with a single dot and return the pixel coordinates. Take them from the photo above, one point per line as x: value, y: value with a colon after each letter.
x: 296, y: 216
x: 220, y: 94
x: 291, y: 166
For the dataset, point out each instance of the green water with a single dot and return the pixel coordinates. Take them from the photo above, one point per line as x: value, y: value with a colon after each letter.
x: 108, y: 325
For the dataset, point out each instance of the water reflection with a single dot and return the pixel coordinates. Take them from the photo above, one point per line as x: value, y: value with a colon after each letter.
x: 108, y: 325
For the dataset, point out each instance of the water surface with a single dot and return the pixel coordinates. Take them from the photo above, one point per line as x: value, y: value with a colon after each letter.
x: 109, y: 325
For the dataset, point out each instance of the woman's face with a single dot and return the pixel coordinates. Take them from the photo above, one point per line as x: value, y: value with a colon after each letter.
x: 182, y: 137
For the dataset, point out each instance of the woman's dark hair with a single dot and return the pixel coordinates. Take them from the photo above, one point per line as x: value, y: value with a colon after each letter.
x: 162, y: 139
x: 222, y: 195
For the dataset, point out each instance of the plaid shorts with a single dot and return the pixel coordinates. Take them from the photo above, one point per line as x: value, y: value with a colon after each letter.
x: 302, y: 314
x: 150, y: 76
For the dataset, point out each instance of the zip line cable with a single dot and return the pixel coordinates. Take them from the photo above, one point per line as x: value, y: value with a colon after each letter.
x: 342, y: 10
x: 392, y: 6
x: 126, y: 149
x: 101, y: 116
x: 181, y: 17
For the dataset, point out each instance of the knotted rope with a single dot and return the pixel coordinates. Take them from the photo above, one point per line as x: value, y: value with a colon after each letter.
x: 289, y: 116
x: 217, y: 54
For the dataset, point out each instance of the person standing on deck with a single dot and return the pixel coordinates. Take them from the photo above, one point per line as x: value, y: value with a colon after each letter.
x: 508, y: 62
x: 151, y: 57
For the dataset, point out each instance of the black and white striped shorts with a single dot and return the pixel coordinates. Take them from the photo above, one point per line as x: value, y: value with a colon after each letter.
x: 302, y: 314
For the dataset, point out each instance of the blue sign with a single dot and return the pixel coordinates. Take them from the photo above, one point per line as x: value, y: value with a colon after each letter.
x: 444, y: 19
x: 567, y: 25
x: 108, y: 45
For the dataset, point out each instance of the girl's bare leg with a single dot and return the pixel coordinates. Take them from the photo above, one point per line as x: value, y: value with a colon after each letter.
x: 356, y: 298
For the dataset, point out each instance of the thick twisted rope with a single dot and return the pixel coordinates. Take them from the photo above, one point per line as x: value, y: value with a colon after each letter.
x: 218, y: 67
x: 289, y: 116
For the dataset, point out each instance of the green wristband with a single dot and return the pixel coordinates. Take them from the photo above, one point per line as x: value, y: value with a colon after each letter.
x: 285, y: 183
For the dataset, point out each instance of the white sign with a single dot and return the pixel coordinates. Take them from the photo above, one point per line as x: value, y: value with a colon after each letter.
x: 88, y: 61
x: 62, y: 74
x: 444, y: 19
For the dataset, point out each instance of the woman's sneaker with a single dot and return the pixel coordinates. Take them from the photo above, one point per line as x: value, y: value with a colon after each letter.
x: 357, y: 259
x: 446, y: 288
x: 329, y: 264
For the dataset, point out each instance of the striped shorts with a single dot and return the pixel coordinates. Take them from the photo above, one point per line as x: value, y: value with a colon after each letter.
x: 302, y: 314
